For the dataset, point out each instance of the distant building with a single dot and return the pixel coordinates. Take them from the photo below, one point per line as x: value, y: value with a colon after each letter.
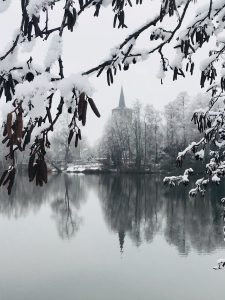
x: 121, y: 134
x: 121, y: 111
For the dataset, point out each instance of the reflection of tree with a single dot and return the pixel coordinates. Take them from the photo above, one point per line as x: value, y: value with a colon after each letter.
x: 25, y: 197
x: 193, y: 223
x: 130, y: 205
x: 65, y: 214
x: 139, y: 206
x: 64, y: 193
x: 176, y: 222
x: 134, y: 206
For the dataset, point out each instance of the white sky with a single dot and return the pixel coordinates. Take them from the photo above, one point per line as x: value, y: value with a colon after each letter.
x: 90, y: 43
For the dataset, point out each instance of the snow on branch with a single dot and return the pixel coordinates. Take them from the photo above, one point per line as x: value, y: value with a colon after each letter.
x: 220, y: 264
x: 184, y: 179
x: 54, y: 51
x: 35, y: 7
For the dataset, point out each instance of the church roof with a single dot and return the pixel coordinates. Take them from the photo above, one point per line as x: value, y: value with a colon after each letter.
x: 122, y: 105
x: 122, y: 99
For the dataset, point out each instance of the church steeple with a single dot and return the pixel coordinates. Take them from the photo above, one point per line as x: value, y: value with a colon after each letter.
x: 122, y: 99
x: 121, y: 111
x: 121, y: 235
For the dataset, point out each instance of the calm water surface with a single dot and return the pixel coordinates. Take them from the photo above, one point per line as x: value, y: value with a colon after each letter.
x: 110, y: 238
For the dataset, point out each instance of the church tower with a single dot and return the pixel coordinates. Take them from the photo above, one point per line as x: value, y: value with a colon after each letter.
x: 121, y: 111
x: 121, y: 133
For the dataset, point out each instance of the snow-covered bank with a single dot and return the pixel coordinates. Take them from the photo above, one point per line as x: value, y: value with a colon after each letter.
x: 95, y: 168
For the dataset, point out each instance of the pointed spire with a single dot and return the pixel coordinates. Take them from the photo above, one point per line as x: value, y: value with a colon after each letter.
x: 122, y: 99
x: 121, y: 235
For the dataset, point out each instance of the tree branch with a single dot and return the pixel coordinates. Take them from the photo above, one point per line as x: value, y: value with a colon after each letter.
x: 135, y: 35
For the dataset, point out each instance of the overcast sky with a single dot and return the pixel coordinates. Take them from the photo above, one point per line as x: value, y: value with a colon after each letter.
x: 90, y: 43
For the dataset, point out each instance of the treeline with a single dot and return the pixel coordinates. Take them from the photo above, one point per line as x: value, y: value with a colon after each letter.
x: 138, y: 138
x: 151, y: 139
x: 60, y: 154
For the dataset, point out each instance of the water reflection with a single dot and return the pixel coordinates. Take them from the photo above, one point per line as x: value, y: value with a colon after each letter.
x: 193, y: 223
x: 135, y: 207
x: 65, y: 208
x: 132, y: 206
x: 140, y: 207
x: 65, y: 194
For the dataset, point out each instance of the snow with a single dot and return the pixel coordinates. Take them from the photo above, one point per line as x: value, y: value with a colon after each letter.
x: 206, y: 62
x: 209, y: 29
x: 217, y: 4
x: 83, y: 168
x: 12, y: 59
x: 188, y: 149
x: 76, y: 81
x: 220, y: 264
x: 193, y: 192
x: 199, y: 181
x: 35, y: 6
x: 180, y: 179
x: 215, y: 178
x: 205, y: 182
x: 39, y: 85
x: 54, y: 51
x: 188, y: 171
x: 220, y: 144
x: 27, y: 46
x: 222, y: 72
x: 161, y: 73
x: 36, y: 93
x: 221, y: 37
x: 184, y: 179
x: 200, y: 154
x: 177, y: 61
x: 105, y: 3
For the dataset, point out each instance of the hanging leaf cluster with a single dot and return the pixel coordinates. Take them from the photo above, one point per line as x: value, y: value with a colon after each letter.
x: 31, y: 26
x: 37, y: 168
x: 71, y: 17
x: 13, y: 130
x: 80, y: 114
x: 202, y: 121
x: 167, y: 6
x: 208, y: 74
x: 8, y: 177
x: 7, y: 84
x: 119, y: 17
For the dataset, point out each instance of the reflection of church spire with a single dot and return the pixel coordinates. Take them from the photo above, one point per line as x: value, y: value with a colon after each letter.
x: 121, y: 240
x: 122, y: 99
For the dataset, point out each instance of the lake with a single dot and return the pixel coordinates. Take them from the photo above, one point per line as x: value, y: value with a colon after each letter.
x: 110, y: 237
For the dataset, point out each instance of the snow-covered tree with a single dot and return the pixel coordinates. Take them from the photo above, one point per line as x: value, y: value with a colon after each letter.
x: 152, y: 136
x: 116, y: 141
x: 181, y: 26
x: 177, y: 122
